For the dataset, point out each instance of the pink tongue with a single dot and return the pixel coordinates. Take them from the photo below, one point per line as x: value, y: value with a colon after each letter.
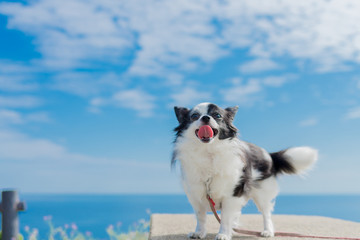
x: 205, y: 132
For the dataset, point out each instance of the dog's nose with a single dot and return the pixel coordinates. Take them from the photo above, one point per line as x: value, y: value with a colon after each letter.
x: 205, y: 119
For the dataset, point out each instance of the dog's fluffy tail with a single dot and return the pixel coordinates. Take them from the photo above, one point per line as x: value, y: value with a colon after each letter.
x: 294, y: 160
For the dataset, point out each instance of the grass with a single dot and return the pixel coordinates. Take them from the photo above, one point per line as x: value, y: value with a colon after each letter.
x: 140, y: 231
x: 20, y: 236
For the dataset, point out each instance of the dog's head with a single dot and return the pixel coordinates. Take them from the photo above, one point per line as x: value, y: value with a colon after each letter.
x: 206, y: 122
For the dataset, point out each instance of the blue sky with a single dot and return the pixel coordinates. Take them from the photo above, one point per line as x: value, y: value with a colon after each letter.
x: 87, y: 88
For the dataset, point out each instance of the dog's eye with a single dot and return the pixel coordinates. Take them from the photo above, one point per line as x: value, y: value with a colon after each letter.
x: 195, y: 116
x: 216, y: 115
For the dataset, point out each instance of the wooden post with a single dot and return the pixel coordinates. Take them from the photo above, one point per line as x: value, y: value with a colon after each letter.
x: 9, y: 207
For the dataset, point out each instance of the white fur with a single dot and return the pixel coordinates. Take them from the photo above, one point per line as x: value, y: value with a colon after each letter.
x: 302, y: 158
x: 215, y: 168
x: 263, y: 197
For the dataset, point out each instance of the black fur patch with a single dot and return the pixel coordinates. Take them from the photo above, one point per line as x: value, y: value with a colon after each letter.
x: 257, y: 158
x: 245, y: 182
x: 182, y: 115
x: 212, y: 108
x: 254, y: 159
x: 226, y: 127
x: 281, y: 164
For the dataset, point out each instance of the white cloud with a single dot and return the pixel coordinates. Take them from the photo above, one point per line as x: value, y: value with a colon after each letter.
x: 312, y: 121
x: 42, y: 117
x: 17, y: 77
x: 10, y: 117
x: 15, y: 145
x: 46, y: 166
x: 259, y: 65
x: 135, y: 99
x: 77, y: 83
x: 86, y: 84
x: 96, y: 104
x: 177, y: 36
x: 298, y: 29
x: 15, y: 83
x: 21, y: 101
x: 170, y: 39
x: 68, y: 38
x: 353, y: 113
x: 278, y: 81
x: 189, y: 96
x: 247, y: 93
x: 243, y: 93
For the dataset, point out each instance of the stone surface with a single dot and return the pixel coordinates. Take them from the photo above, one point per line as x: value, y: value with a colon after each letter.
x: 177, y: 226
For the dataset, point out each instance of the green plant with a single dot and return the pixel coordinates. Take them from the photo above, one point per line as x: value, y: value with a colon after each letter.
x: 138, y: 231
x: 20, y: 236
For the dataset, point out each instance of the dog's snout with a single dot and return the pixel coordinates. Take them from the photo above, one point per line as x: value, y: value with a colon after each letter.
x: 205, y: 119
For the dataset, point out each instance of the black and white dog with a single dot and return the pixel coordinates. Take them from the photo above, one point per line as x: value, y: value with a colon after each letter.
x: 215, y: 162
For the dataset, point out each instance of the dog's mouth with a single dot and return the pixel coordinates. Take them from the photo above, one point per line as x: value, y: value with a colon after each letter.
x: 206, y: 133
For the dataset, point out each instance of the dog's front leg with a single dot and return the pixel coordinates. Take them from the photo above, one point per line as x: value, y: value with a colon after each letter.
x: 200, y: 231
x: 229, y: 209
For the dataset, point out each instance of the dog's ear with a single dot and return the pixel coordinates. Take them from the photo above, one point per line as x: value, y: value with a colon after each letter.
x: 181, y: 114
x: 230, y: 130
x: 231, y: 111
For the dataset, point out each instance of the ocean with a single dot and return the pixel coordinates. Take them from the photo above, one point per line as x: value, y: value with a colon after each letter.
x: 94, y: 213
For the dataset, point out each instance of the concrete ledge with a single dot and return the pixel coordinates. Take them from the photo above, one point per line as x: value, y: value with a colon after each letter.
x: 177, y: 226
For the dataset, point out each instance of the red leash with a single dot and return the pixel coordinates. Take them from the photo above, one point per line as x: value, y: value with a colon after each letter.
x: 277, y: 234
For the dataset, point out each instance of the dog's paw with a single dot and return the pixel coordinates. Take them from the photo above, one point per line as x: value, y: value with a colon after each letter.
x: 267, y: 233
x: 197, y: 235
x: 221, y: 236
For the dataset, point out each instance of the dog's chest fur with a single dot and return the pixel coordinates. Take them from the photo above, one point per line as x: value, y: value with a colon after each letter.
x: 213, y: 169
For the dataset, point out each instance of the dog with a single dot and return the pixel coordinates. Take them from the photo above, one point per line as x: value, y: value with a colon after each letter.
x: 215, y: 162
